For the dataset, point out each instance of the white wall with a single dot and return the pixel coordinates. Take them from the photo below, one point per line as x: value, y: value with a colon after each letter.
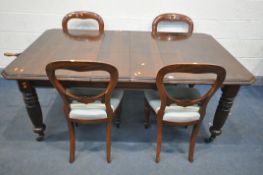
x: 236, y: 24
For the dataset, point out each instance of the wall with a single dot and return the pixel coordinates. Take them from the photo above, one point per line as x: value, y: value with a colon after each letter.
x: 236, y: 24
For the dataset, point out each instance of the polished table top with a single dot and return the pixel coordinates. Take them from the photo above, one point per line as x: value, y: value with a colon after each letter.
x: 137, y: 55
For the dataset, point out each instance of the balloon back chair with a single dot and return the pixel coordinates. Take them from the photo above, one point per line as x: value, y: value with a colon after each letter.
x: 83, y: 15
x: 175, y: 18
x: 98, y: 108
x: 188, y: 109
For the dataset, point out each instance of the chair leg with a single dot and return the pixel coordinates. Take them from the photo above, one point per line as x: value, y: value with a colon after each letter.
x: 159, y: 141
x: 108, y: 140
x: 118, y: 116
x: 146, y: 114
x: 191, y: 85
x: 71, y: 142
x: 192, y: 142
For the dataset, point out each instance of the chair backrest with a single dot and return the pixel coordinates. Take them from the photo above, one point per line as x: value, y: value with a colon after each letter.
x: 172, y: 17
x: 77, y: 66
x: 82, y: 15
x: 203, y: 100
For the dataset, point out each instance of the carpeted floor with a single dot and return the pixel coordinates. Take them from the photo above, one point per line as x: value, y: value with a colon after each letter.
x: 237, y: 151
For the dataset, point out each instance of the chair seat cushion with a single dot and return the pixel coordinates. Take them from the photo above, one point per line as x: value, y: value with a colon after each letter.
x: 175, y: 113
x: 93, y: 111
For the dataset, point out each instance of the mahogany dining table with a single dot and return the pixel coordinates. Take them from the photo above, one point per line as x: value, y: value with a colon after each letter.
x: 138, y: 55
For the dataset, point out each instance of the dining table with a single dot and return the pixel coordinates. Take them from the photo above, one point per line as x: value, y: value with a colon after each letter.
x: 138, y: 55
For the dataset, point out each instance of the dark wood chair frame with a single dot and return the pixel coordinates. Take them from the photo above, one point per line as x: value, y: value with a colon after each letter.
x: 166, y: 100
x: 67, y: 97
x: 83, y: 15
x: 172, y: 17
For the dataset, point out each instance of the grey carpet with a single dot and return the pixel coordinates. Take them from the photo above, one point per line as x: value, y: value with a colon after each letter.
x: 238, y: 150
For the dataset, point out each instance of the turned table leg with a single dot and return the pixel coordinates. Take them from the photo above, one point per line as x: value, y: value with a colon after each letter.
x: 33, y: 108
x: 223, y: 109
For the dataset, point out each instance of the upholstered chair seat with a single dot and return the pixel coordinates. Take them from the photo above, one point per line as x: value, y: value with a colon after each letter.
x: 95, y: 110
x: 173, y: 112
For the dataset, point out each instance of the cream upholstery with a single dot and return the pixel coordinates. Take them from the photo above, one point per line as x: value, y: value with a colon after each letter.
x: 179, y: 114
x: 96, y: 110
x: 175, y: 113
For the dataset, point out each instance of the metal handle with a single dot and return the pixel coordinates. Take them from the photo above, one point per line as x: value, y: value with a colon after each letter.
x: 9, y: 54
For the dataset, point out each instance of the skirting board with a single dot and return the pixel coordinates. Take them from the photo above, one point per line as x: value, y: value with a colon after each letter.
x: 259, y: 79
